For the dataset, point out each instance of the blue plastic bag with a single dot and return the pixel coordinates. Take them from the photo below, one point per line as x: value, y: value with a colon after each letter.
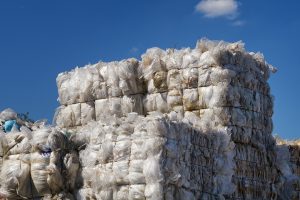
x: 9, y: 124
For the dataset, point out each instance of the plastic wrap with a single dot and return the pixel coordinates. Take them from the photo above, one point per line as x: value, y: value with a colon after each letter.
x: 8, y: 114
x: 40, y: 137
x: 39, y: 172
x: 113, y: 80
x: 68, y: 116
x: 152, y: 170
x: 70, y: 92
x: 122, y: 150
x: 71, y: 163
x: 173, y: 59
x: 119, y: 106
x: 20, y: 143
x: 156, y: 102
x: 87, y: 112
x: 136, y: 192
x: 158, y: 83
x: 133, y: 103
x: 54, y: 179
x: 189, y: 106
x: 88, y: 156
x: 136, y: 175
x: 121, y: 193
x: 3, y: 144
x: 174, y: 98
x: 190, y: 78
x: 130, y: 83
x: 152, y: 63
x: 154, y: 191
x: 15, y: 179
x: 121, y: 172
x: 190, y: 99
x: 174, y: 79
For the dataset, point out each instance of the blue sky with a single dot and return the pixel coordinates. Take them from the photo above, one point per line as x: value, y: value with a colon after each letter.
x: 39, y: 39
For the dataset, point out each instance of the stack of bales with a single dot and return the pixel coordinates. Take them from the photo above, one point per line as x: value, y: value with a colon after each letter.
x: 179, y: 124
x: 36, y: 163
x: 288, y: 162
x: 213, y: 78
x: 152, y: 158
x: 216, y: 87
x: 90, y: 92
x: 223, y: 88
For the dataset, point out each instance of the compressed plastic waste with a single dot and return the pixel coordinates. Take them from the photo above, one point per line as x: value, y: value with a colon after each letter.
x: 8, y: 114
x: 190, y: 123
x: 32, y: 161
x: 217, y: 87
x: 10, y: 125
x: 143, y: 154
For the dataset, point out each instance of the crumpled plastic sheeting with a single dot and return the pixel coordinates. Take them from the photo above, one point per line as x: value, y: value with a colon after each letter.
x: 74, y: 115
x: 197, y: 102
x: 99, y: 81
x: 119, y: 106
x: 34, y: 162
x: 214, y: 85
x: 70, y: 91
x: 15, y: 176
x: 3, y: 143
x: 286, y: 164
x: 8, y: 114
x: 147, y: 155
x: 163, y: 70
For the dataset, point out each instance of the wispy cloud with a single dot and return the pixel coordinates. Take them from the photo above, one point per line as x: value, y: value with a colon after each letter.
x: 238, y: 23
x: 218, y: 8
x: 134, y: 50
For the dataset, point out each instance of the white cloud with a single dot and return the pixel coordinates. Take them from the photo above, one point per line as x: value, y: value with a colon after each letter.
x: 238, y: 23
x: 134, y: 50
x: 218, y: 8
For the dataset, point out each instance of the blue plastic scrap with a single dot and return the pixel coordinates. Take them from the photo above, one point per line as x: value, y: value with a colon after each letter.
x: 9, y: 124
x: 46, y: 151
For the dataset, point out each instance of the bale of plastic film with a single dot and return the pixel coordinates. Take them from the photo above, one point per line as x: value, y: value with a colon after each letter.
x: 18, y: 143
x: 15, y: 178
x: 70, y: 91
x: 68, y: 116
x: 8, y: 114
x: 71, y: 163
x: 39, y: 172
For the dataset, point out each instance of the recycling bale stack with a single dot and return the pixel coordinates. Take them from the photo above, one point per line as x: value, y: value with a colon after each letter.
x: 91, y: 92
x: 226, y: 88
x: 213, y: 78
x: 288, y: 162
x: 179, y: 124
x: 153, y: 158
x: 36, y: 161
x: 236, y: 98
x: 217, y: 87
x: 221, y: 87
x: 295, y: 165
